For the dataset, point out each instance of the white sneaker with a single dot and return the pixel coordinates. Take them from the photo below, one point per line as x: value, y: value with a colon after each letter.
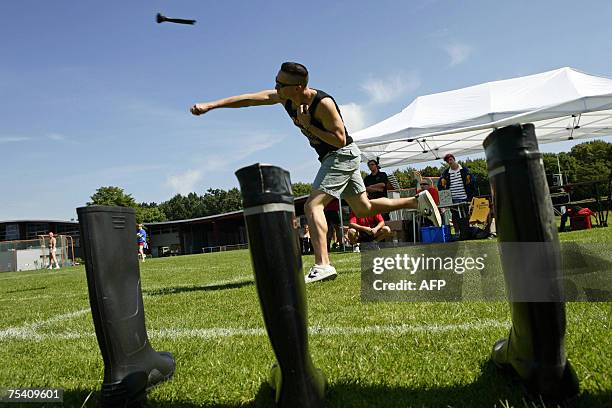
x: 318, y: 273
x: 427, y: 206
x: 356, y: 248
x: 57, y: 266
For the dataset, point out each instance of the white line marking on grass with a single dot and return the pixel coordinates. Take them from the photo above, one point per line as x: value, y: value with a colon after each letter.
x: 58, y: 296
x: 207, y: 334
x: 214, y: 333
x: 405, y: 328
x: 26, y: 298
x: 29, y: 331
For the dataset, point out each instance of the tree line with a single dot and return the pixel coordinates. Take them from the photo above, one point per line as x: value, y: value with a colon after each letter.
x: 180, y: 207
x: 584, y: 162
x: 587, y: 161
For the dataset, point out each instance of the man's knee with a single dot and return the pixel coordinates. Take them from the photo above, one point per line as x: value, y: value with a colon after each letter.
x: 363, y: 210
x: 310, y: 208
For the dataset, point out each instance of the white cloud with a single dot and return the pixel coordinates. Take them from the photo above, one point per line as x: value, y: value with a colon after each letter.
x: 354, y: 116
x: 13, y: 139
x: 458, y: 53
x: 379, y: 90
x: 242, y: 146
x: 185, y: 183
x: 384, y: 90
x: 56, y: 137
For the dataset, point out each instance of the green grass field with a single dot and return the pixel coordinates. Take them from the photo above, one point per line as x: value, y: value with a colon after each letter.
x: 204, y: 309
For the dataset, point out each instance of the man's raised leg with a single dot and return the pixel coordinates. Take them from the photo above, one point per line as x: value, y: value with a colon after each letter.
x: 423, y: 202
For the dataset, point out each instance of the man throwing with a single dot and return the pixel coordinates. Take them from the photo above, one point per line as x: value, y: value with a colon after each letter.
x: 318, y: 117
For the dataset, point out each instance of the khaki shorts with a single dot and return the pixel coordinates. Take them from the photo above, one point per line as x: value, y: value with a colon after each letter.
x: 339, y: 174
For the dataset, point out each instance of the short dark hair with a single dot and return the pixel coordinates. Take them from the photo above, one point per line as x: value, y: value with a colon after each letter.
x: 448, y: 156
x: 295, y: 68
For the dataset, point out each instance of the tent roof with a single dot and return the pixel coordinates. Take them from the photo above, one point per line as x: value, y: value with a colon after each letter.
x: 563, y: 104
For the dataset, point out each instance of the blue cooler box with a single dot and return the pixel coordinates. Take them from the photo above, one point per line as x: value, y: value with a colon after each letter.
x: 435, y: 234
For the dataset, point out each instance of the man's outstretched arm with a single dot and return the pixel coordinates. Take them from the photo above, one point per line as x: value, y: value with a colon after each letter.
x: 267, y: 97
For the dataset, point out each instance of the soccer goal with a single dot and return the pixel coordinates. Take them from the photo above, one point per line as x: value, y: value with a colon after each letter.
x: 31, y: 254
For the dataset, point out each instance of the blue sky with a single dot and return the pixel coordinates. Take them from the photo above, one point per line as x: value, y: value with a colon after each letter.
x: 96, y: 93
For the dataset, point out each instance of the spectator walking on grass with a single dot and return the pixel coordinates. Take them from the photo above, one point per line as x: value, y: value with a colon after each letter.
x: 142, y: 242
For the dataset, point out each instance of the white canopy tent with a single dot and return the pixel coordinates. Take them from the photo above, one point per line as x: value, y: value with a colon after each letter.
x: 563, y: 104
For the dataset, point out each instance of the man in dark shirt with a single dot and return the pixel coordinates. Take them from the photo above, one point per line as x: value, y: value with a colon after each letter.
x: 376, y: 183
x: 318, y: 117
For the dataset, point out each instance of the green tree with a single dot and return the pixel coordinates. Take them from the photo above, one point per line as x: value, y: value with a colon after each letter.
x: 218, y: 201
x: 431, y: 171
x: 593, y: 160
x: 146, y: 214
x: 301, y: 189
x: 405, y: 177
x: 182, y: 207
x: 113, y: 196
x: 567, y: 162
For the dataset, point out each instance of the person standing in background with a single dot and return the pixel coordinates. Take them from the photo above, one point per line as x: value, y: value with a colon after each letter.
x: 142, y: 241
x: 52, y: 249
x: 377, y: 183
x: 460, y: 182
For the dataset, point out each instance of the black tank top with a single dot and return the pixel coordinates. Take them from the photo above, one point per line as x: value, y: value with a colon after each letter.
x: 320, y: 146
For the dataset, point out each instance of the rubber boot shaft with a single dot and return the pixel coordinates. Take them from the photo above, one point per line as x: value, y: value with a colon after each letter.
x: 277, y: 263
x: 113, y: 279
x: 523, y: 214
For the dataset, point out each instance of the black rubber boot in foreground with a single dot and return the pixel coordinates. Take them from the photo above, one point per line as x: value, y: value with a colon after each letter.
x: 131, y: 366
x: 530, y: 257
x: 275, y: 253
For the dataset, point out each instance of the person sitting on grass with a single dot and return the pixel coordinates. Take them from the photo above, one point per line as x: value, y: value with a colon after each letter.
x: 366, y: 229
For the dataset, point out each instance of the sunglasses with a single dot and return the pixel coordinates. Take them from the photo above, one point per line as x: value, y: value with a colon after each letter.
x: 283, y: 85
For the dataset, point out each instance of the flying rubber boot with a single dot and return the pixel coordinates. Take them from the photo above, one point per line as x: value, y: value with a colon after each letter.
x: 277, y: 263
x: 525, y: 223
x: 131, y: 366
